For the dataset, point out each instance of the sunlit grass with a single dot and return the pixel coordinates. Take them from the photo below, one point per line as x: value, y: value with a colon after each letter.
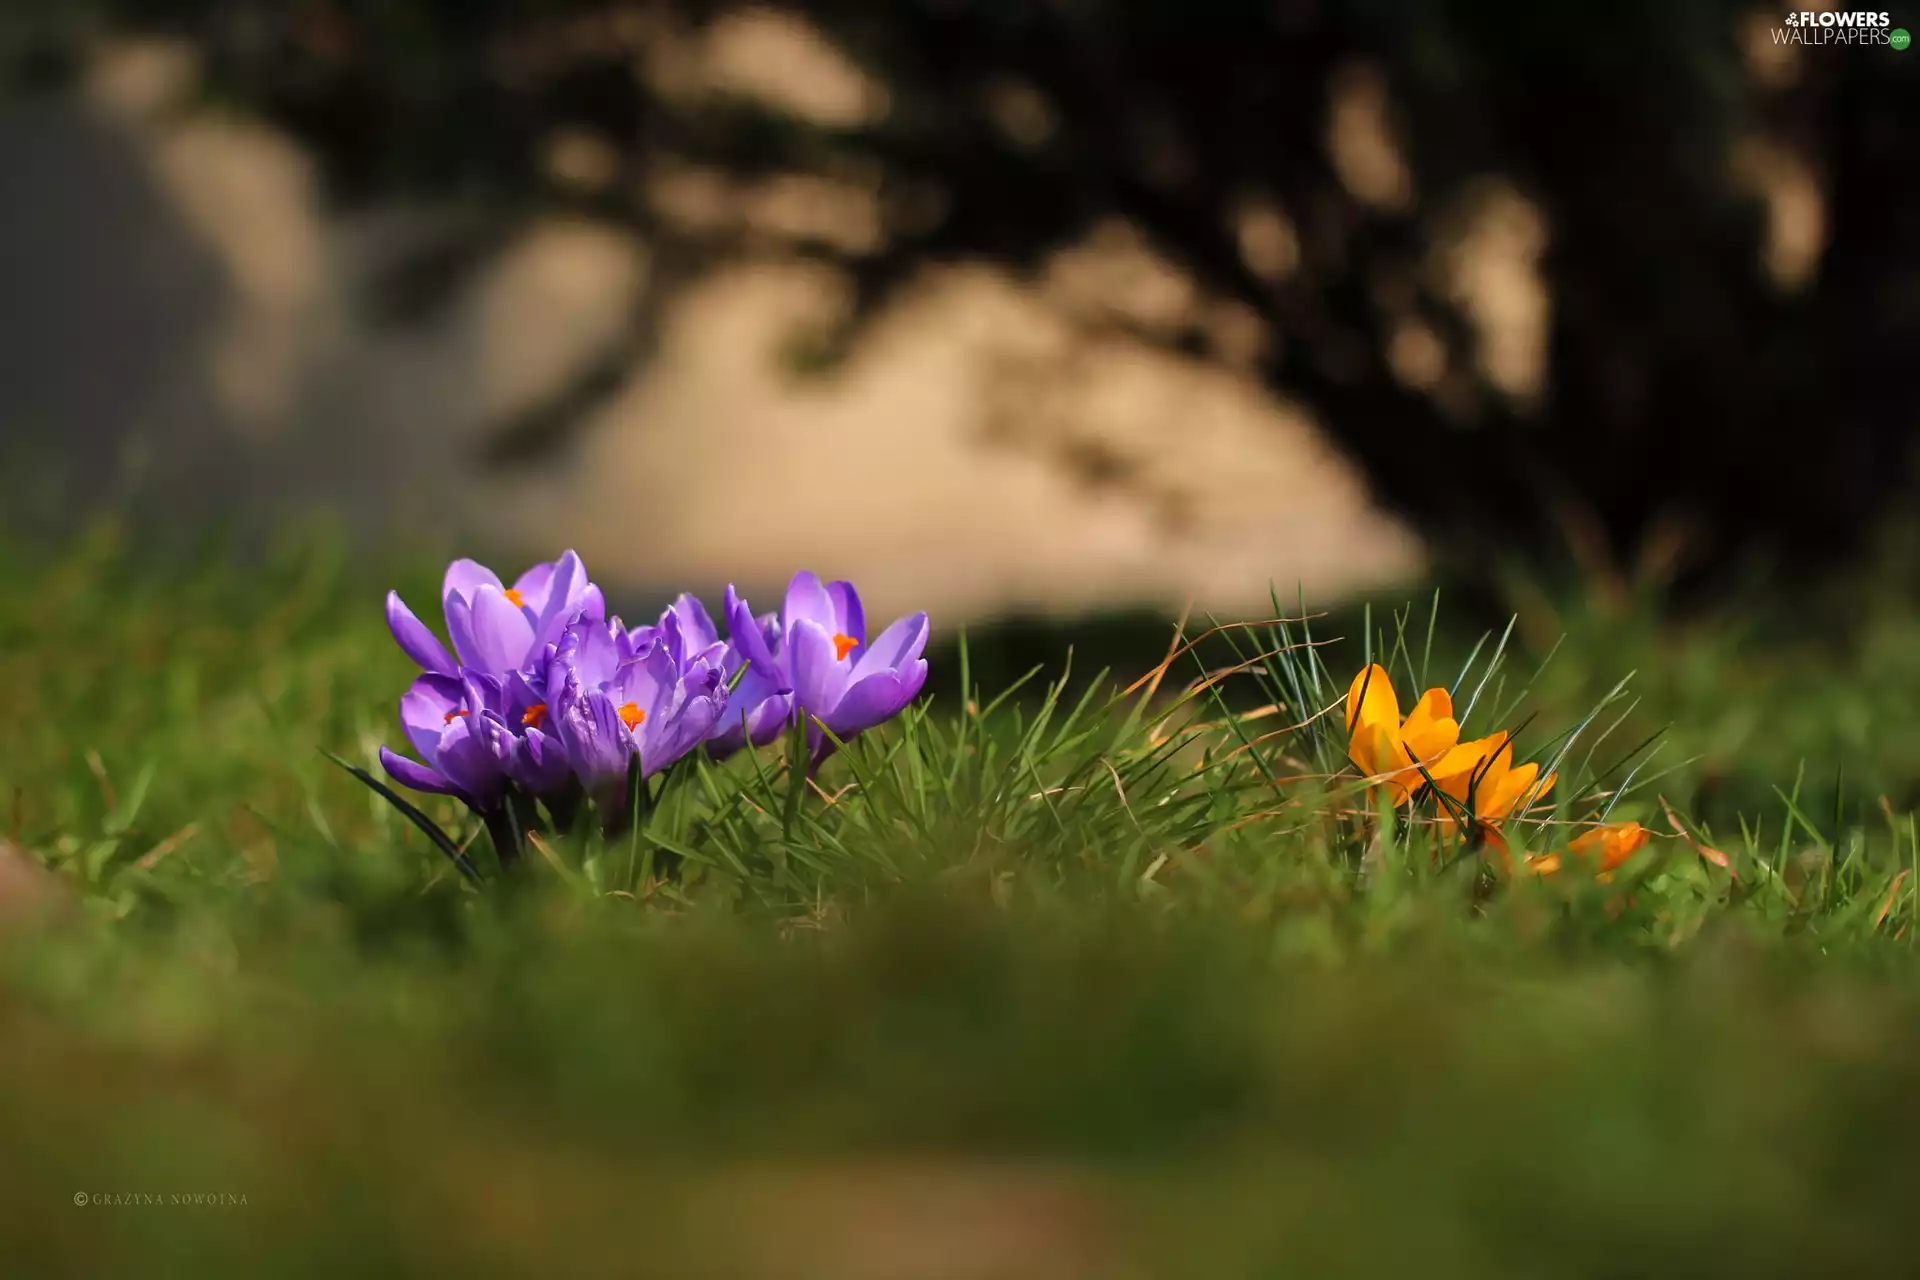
x: 1150, y: 934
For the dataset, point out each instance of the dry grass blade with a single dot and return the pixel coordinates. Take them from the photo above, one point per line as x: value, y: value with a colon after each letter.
x: 1711, y: 854
x: 152, y: 857
x: 1893, y: 896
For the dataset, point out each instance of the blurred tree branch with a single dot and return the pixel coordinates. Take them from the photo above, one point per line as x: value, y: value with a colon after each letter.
x: 1680, y: 380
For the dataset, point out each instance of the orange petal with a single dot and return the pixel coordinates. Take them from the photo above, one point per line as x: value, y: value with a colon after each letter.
x: 1431, y: 731
x: 1467, y: 766
x: 1370, y: 700
x: 1498, y: 796
x: 1614, y: 843
x: 1376, y: 750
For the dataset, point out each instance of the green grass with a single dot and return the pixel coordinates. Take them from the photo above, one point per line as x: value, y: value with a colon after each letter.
x: 1097, y: 978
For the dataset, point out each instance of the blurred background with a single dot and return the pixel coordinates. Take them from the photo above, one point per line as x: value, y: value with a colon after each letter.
x: 996, y: 306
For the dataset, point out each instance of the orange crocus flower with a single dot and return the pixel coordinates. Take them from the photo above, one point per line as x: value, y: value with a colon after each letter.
x: 1388, y: 749
x: 1481, y: 775
x: 1614, y: 843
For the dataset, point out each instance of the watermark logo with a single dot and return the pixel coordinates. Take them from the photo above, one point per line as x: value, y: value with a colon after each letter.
x: 164, y: 1199
x: 1835, y: 27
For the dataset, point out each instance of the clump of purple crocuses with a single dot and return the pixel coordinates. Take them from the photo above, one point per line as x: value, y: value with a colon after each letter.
x: 545, y: 701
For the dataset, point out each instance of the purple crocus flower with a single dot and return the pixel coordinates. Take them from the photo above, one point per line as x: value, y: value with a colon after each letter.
x: 606, y: 707
x: 689, y: 634
x: 762, y: 703
x: 477, y: 733
x: 822, y: 655
x: 465, y: 754
x: 497, y: 629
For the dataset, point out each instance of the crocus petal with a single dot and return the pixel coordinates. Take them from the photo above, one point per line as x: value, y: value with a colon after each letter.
x: 597, y: 743
x: 748, y: 638
x: 1430, y: 729
x: 903, y: 641
x: 464, y: 577
x: 1498, y: 801
x: 467, y: 759
x: 696, y: 625
x: 425, y: 708
x: 679, y: 731
x: 634, y: 643
x: 519, y: 695
x: 540, y: 763
x: 808, y: 600
x: 757, y: 710
x: 849, y: 618
x: 876, y: 699
x: 646, y: 681
x: 819, y: 678
x: 1370, y: 700
x: 1615, y: 843
x: 1376, y: 751
x: 592, y: 602
x: 415, y: 776
x: 672, y: 638
x: 534, y: 585
x: 415, y: 640
x: 770, y: 718
x: 563, y: 599
x: 497, y: 635
x: 1476, y: 766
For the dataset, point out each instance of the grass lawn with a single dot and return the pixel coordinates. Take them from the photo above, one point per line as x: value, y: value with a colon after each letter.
x: 1048, y: 984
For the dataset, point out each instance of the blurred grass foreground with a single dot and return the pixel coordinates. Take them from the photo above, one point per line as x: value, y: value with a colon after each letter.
x: 1037, y: 985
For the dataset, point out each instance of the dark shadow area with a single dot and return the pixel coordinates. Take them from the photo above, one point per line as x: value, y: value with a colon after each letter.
x: 1694, y: 408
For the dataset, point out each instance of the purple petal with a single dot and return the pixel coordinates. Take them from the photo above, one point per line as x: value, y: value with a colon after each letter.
x: 903, y: 641
x: 500, y: 741
x: 589, y: 650
x: 747, y: 637
x: 597, y: 743
x: 564, y: 598
x: 425, y: 709
x: 415, y: 776
x: 592, y: 603
x: 483, y: 692
x: 876, y: 699
x: 414, y: 639
x: 460, y: 627
x: 464, y: 577
x: 757, y: 710
x: 646, y: 681
x: 696, y: 625
x: 534, y: 585
x: 637, y: 642
x: 819, y: 677
x: 468, y: 760
x: 540, y: 763
x: 809, y: 601
x: 850, y: 618
x: 518, y: 697
x: 690, y: 722
x: 497, y: 636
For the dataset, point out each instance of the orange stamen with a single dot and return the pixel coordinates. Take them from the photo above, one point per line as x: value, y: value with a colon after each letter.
x: 632, y: 716
x: 842, y: 646
x: 451, y: 715
x: 515, y: 599
x: 534, y: 715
